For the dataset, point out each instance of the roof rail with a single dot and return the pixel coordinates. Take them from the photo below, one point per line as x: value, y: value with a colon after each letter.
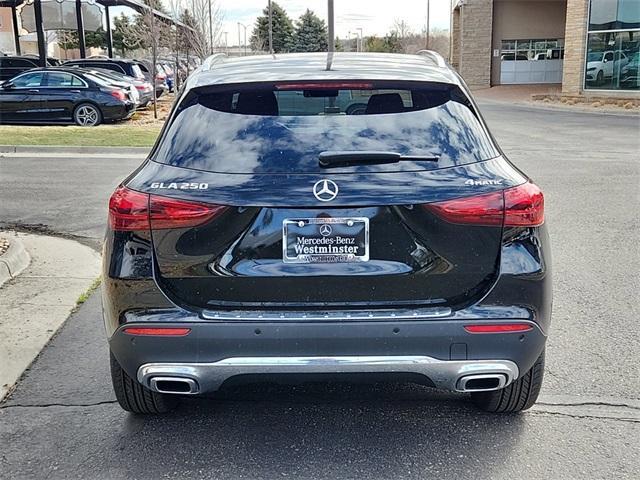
x: 434, y: 56
x: 211, y: 60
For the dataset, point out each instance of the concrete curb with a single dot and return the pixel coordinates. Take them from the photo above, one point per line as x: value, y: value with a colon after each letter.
x: 124, y: 151
x: 14, y: 260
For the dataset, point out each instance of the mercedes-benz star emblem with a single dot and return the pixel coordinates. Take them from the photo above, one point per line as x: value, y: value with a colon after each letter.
x: 325, y: 230
x: 325, y: 190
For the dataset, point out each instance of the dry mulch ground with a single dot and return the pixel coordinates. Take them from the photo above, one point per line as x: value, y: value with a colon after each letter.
x: 145, y: 116
x: 4, y: 245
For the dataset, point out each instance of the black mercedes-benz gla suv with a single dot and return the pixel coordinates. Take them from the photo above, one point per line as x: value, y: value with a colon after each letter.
x: 326, y: 214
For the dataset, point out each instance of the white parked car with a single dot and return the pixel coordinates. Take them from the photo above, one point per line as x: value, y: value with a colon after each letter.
x: 602, y: 65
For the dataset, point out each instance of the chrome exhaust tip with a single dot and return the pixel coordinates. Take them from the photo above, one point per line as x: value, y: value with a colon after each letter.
x: 482, y: 382
x: 174, y: 385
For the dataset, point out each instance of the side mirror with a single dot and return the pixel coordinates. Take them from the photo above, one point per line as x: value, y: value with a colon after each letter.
x: 605, y: 60
x: 8, y: 85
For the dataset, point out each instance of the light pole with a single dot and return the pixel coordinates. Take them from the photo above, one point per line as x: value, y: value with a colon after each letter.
x: 357, y: 40
x: 245, y: 36
x: 226, y: 42
x: 361, y: 39
x: 270, y: 29
x: 210, y: 30
x: 428, y: 21
x: 331, y: 27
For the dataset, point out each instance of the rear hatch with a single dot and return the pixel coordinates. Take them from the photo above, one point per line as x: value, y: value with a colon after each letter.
x: 324, y: 195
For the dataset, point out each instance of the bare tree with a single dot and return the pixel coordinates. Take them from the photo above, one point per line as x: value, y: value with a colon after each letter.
x: 439, y: 41
x: 205, y: 32
x: 403, y: 32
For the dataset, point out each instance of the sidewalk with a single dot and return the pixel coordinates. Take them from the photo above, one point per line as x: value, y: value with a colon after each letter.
x: 516, y: 93
x: 36, y: 303
x: 549, y: 96
x: 64, y: 150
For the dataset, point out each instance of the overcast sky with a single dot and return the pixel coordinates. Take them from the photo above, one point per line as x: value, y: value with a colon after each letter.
x: 375, y: 17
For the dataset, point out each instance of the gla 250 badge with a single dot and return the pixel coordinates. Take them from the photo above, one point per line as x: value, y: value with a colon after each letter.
x: 179, y: 186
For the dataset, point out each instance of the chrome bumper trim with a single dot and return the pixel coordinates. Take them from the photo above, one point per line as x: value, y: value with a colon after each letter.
x: 328, y: 316
x: 445, y: 374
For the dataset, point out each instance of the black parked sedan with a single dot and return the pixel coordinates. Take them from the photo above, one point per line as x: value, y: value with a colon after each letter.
x: 61, y: 95
x: 12, y: 66
x: 275, y: 231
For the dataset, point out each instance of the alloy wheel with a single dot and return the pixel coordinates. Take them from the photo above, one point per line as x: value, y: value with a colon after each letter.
x: 87, y: 116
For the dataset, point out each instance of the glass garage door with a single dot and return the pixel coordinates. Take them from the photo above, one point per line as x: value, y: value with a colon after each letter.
x: 531, y: 61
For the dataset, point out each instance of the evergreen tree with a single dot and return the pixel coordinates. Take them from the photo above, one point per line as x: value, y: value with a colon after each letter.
x: 68, y: 39
x: 125, y: 36
x: 97, y: 39
x: 282, y: 30
x: 157, y: 5
x: 310, y: 34
x: 390, y: 43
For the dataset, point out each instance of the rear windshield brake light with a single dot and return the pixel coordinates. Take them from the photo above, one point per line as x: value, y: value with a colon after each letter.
x: 130, y: 210
x: 324, y: 85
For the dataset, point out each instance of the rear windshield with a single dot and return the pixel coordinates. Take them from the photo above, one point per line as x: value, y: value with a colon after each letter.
x: 99, y: 79
x: 283, y: 128
x: 137, y: 71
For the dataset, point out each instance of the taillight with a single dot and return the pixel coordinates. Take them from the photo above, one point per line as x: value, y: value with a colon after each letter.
x: 521, y: 206
x: 141, y: 87
x: 169, y: 213
x: 499, y: 328
x: 130, y: 210
x: 119, y: 94
x: 524, y: 206
x: 485, y: 209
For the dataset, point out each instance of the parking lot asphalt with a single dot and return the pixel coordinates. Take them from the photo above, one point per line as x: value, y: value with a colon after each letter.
x: 62, y: 422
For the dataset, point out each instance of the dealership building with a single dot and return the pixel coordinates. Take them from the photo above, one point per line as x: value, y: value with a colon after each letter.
x: 589, y: 47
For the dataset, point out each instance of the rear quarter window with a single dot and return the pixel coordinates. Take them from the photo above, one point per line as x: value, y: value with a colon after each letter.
x: 283, y: 128
x: 136, y: 71
x: 109, y: 66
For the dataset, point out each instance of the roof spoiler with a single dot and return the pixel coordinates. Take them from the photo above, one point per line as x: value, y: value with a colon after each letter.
x: 435, y: 57
x: 211, y: 60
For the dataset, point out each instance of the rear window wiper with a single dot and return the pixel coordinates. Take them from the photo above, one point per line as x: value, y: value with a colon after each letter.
x: 347, y: 159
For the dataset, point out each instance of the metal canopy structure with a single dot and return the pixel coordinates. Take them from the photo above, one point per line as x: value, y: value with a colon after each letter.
x: 136, y: 5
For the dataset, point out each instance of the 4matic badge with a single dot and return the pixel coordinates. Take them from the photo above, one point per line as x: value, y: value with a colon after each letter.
x: 482, y: 182
x: 180, y: 186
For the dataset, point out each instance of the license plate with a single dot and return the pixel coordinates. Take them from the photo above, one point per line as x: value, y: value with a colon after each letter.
x: 325, y: 240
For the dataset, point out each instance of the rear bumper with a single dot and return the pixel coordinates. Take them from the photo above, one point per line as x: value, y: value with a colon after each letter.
x: 119, y: 111
x: 442, y: 352
x: 453, y: 375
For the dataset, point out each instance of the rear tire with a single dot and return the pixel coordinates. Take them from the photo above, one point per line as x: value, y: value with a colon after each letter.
x: 518, y: 396
x: 135, y: 398
x: 356, y: 109
x: 87, y: 115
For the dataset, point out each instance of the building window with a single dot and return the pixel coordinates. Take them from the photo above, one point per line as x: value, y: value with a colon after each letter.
x: 613, y: 45
x: 532, y: 49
